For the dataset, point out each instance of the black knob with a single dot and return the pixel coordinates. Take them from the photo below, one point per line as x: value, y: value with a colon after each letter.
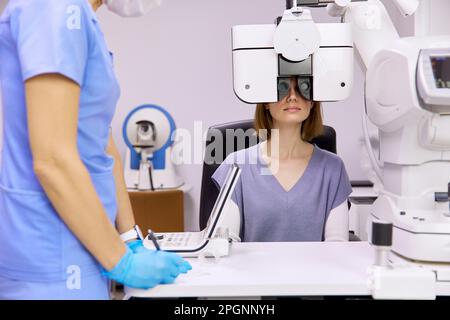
x: 382, y: 233
x: 448, y: 191
x: 289, y: 4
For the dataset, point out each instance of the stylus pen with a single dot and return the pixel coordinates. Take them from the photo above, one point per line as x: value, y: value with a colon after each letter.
x: 152, y: 237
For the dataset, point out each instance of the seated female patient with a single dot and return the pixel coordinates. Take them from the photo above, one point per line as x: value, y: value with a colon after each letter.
x: 296, y: 193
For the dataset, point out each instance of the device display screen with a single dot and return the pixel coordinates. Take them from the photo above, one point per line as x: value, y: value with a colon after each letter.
x: 441, y: 71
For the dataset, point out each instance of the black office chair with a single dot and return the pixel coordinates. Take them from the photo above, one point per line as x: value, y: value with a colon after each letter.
x: 209, y: 191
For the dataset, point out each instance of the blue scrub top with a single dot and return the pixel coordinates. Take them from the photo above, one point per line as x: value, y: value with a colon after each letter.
x: 39, y: 37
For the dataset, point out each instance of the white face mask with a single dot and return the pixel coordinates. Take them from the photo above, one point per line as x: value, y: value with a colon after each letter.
x: 131, y: 8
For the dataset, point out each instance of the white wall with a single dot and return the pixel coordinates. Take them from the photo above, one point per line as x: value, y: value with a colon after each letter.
x: 439, y: 10
x: 179, y: 57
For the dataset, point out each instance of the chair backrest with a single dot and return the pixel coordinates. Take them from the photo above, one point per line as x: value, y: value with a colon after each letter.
x: 230, y: 143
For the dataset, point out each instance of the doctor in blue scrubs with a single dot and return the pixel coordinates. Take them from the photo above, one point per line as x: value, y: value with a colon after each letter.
x: 66, y: 223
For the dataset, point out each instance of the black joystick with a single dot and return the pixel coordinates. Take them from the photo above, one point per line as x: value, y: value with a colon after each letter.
x: 382, y: 241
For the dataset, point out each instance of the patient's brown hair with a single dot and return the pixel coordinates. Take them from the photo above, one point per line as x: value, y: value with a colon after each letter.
x: 312, y: 127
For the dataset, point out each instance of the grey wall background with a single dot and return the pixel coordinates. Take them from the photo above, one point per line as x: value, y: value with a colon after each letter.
x: 440, y: 24
x: 179, y: 57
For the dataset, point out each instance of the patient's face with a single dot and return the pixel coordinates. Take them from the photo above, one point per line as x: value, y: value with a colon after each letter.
x: 293, y: 109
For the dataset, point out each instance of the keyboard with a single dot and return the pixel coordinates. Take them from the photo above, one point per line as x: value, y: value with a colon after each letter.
x: 177, y: 239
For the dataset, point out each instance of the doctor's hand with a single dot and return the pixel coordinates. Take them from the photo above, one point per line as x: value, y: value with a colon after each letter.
x: 147, y: 268
x: 183, y: 265
x: 138, y: 246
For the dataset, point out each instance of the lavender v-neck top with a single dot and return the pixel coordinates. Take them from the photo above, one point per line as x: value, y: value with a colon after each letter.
x: 269, y: 213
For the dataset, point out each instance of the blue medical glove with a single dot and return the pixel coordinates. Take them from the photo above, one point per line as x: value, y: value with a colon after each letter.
x: 182, y: 264
x: 136, y: 245
x: 145, y: 269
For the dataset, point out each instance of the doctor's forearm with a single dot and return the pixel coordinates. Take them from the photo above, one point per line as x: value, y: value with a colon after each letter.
x: 125, y: 218
x: 53, y: 111
x: 68, y: 185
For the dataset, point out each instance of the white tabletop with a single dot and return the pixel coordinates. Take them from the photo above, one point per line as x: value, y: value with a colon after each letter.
x: 275, y: 269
